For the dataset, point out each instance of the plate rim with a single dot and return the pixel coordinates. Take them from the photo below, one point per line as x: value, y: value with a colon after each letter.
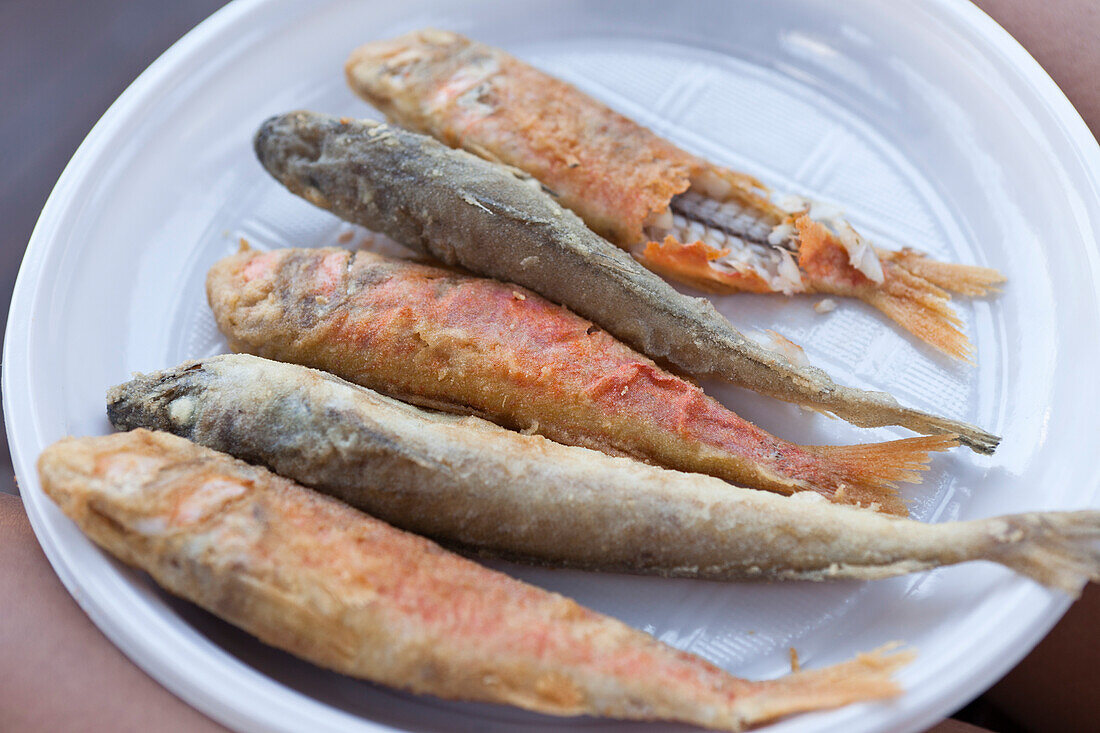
x: 1043, y: 609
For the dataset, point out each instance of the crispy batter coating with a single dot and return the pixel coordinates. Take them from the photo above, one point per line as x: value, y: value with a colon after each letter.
x: 465, y: 211
x: 474, y: 345
x: 314, y: 577
x: 473, y: 484
x: 620, y: 178
x: 610, y: 170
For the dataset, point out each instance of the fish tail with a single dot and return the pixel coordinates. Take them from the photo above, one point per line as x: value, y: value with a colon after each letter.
x: 867, y: 677
x: 870, y: 473
x: 922, y: 308
x: 1058, y: 549
x: 910, y: 289
x: 966, y: 280
x: 973, y: 437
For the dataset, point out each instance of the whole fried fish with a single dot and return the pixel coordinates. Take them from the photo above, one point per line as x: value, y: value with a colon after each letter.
x: 467, y: 344
x: 312, y: 576
x: 492, y: 221
x: 470, y: 483
x: 684, y: 217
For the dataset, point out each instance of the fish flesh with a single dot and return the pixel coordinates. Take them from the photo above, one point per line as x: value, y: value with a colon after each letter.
x: 314, y: 577
x: 452, y: 341
x: 491, y: 220
x: 479, y: 487
x: 684, y: 217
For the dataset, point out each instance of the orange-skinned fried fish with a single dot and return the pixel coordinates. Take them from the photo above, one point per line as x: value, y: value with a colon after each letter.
x: 682, y: 216
x: 448, y: 340
x: 314, y: 577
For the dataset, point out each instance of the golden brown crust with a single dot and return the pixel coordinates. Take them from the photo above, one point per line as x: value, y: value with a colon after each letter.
x: 314, y: 577
x: 442, y: 339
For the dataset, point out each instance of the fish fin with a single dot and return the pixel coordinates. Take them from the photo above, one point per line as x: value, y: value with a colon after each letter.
x: 867, y: 677
x: 922, y: 309
x: 973, y: 437
x: 871, y: 472
x: 1057, y: 549
x: 691, y: 264
x: 916, y: 304
x: 962, y: 279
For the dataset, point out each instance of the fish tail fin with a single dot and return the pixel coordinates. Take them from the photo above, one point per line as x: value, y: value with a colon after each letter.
x: 922, y: 308
x: 966, y: 280
x: 867, y: 677
x: 1058, y: 549
x: 912, y: 290
x: 973, y: 437
x: 871, y: 472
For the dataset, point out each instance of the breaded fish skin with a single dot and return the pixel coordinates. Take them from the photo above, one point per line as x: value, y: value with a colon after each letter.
x: 494, y: 221
x: 682, y: 216
x: 310, y: 575
x: 470, y: 483
x: 448, y: 340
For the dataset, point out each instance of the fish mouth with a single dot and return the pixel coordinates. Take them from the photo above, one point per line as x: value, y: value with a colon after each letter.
x: 292, y: 148
x: 154, y: 400
x: 296, y: 136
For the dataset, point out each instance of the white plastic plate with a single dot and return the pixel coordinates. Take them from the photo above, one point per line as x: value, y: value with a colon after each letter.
x: 924, y: 120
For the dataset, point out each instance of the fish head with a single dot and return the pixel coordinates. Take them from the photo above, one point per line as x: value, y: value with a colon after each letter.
x: 290, y: 145
x: 126, y: 487
x: 167, y: 400
x: 413, y: 77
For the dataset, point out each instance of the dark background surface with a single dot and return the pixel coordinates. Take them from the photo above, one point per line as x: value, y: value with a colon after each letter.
x: 62, y: 63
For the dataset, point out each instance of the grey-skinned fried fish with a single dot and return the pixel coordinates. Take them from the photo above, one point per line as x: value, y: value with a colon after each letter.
x: 494, y: 221
x: 469, y: 483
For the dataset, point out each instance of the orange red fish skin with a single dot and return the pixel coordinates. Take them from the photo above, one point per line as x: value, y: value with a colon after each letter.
x: 607, y: 168
x: 443, y: 339
x: 615, y: 173
x: 314, y: 577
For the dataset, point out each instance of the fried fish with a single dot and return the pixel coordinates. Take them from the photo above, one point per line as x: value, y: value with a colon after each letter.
x: 493, y: 221
x: 684, y: 217
x: 472, y: 484
x: 467, y: 344
x: 314, y: 577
